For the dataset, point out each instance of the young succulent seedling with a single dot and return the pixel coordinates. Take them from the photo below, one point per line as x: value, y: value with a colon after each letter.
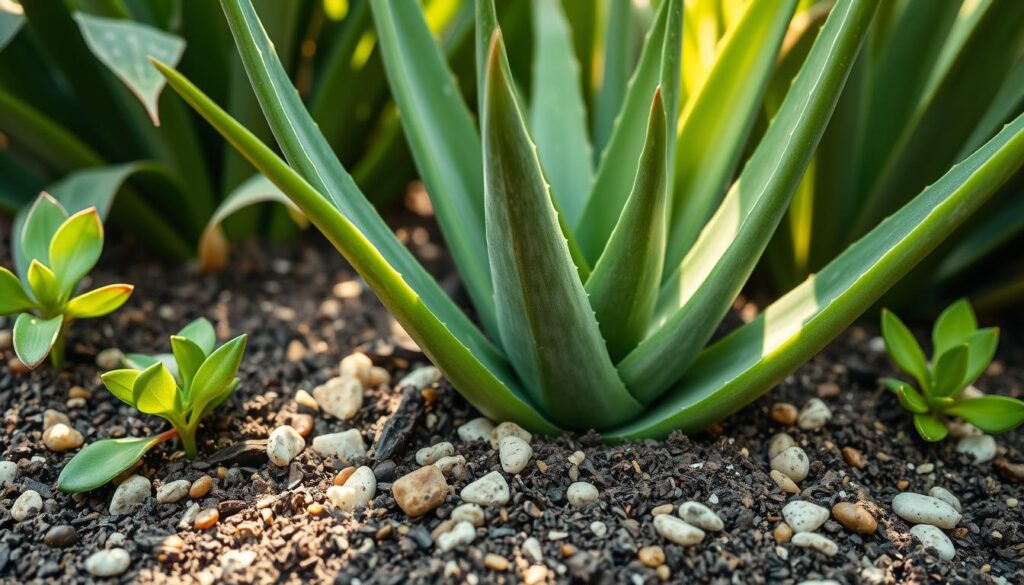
x: 53, y: 252
x: 961, y: 352
x: 182, y: 388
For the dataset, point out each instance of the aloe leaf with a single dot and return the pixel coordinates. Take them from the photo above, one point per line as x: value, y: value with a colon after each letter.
x: 12, y: 296
x: 904, y: 349
x: 121, y: 384
x: 718, y: 118
x: 213, y: 252
x: 617, y: 167
x: 34, y: 337
x: 697, y: 296
x: 102, y: 461
x: 930, y: 427
x: 123, y: 46
x: 752, y: 359
x: 99, y: 302
x: 949, y: 371
x: 624, y: 284
x: 541, y: 301
x: 202, y: 333
x: 992, y: 414
x: 75, y: 248
x: 306, y: 149
x: 982, y: 348
x: 10, y: 25
x: 468, y: 360
x: 558, y: 120
x: 955, y: 324
x: 215, y: 373
x: 615, y: 66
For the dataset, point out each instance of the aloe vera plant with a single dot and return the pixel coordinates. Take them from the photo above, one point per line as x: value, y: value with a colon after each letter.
x: 961, y: 352
x: 595, y: 312
x: 53, y: 252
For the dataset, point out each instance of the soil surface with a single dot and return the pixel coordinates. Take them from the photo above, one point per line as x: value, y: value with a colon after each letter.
x: 304, y: 310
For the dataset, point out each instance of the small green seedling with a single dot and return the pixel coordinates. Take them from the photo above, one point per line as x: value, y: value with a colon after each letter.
x: 961, y: 354
x: 52, y: 253
x: 181, y: 388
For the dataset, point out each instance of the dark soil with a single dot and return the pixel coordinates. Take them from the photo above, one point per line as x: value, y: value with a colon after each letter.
x: 284, y: 296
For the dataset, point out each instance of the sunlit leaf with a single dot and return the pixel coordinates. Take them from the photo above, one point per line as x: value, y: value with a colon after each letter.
x: 75, y: 248
x: 121, y: 384
x: 101, y: 462
x: 99, y: 302
x: 12, y: 296
x: 992, y: 414
x: 34, y: 337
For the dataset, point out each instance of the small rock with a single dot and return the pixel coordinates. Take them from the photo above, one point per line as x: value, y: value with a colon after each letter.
x: 61, y: 437
x: 110, y: 359
x: 378, y: 377
x: 303, y: 398
x: 496, y: 562
x: 478, y: 429
x: 423, y: 490
x: 61, y: 536
x: 430, y: 455
x: 921, y: 509
x: 348, y: 446
x: 804, y: 516
x: 1013, y: 472
x: 303, y: 423
x: 358, y: 490
x: 509, y: 429
x: 784, y: 413
x: 855, y: 518
x: 514, y: 454
x: 357, y: 367
x: 816, y: 541
x: 471, y: 513
x: 234, y: 561
x: 662, y: 509
x: 340, y: 397
x: 26, y: 506
x: 577, y: 457
x: 108, y: 563
x: 8, y: 472
x: 200, y: 487
x: 981, y: 447
x: 131, y: 492
x: 701, y: 516
x: 420, y: 378
x: 600, y: 529
x: 531, y: 548
x: 925, y: 468
x: 782, y: 533
x: 491, y: 489
x: 283, y: 445
x: 173, y: 492
x: 793, y: 462
x: 462, y: 533
x: 785, y: 484
x: 296, y: 351
x: 206, y: 519
x: 581, y: 494
x: 189, y: 516
x: 854, y: 458
x: 652, y: 556
x: 813, y: 415
x: 675, y: 530
x: 448, y: 465
x: 946, y: 496
x: 932, y: 537
x: 53, y: 417
x: 779, y: 443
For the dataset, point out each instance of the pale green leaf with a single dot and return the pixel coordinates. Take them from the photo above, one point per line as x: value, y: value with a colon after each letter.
x: 155, y: 390
x: 75, y: 248
x: 40, y: 223
x: 99, y: 302
x: 45, y: 285
x: 34, y: 337
x: 904, y: 349
x: 189, y: 357
x: 101, y: 462
x: 992, y: 414
x: 121, y: 384
x: 215, y: 374
x: 12, y: 296
x: 954, y: 325
x: 616, y: 63
x: 202, y: 333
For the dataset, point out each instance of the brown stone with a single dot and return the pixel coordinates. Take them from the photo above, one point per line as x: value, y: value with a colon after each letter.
x: 782, y: 533
x: 784, y: 413
x: 652, y: 556
x: 206, y: 518
x: 855, y: 518
x: 303, y: 423
x: 200, y: 487
x: 854, y: 458
x: 421, y: 491
x: 496, y: 562
x: 343, y: 475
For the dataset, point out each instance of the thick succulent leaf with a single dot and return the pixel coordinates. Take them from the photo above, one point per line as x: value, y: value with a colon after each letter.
x: 904, y: 349
x: 101, y: 462
x: 703, y: 287
x: 547, y: 325
x: 213, y: 245
x: 474, y: 368
x: 215, y: 374
x: 34, y: 337
x: 124, y: 46
x: 751, y: 360
x: 616, y: 63
x: 44, y: 285
x: 442, y: 138
x: 312, y: 157
x: 718, y: 118
x: 658, y: 65
x: 982, y: 348
x: 911, y: 399
x: 992, y: 414
x: 190, y: 358
x: 558, y: 120
x: 12, y: 296
x: 624, y: 284
x: 200, y: 331
x: 37, y: 229
x: 99, y: 302
x: 930, y: 427
x: 949, y: 371
x: 75, y: 248
x: 155, y: 390
x: 121, y: 383
x: 955, y: 324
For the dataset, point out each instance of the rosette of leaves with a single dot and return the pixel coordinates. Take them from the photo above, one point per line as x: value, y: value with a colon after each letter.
x: 593, y: 313
x: 182, y: 388
x: 53, y: 252
x: 961, y: 353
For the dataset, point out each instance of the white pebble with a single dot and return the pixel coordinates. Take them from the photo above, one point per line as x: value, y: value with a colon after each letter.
x: 675, y: 530
x: 358, y: 490
x: 26, y: 506
x: 448, y: 465
x: 877, y: 344
x: 109, y: 359
x: 489, y: 489
x: 804, y: 516
x: 471, y: 513
x: 340, y: 397
x: 347, y: 446
x: 357, y: 367
x: 8, y: 472
x: 61, y: 437
x: 173, y: 492
x: 462, y: 533
x: 188, y: 517
x: 509, y: 429
x: 131, y: 492
x: 932, y: 537
x: 921, y: 509
x: 234, y: 561
x: 303, y: 398
x: 514, y: 454
x: 818, y: 542
x: 793, y: 462
x: 701, y: 516
x: 981, y: 447
x: 599, y: 528
x: 478, y: 429
x: 531, y: 548
x: 420, y: 378
x: 577, y: 458
x: 581, y: 493
x: 813, y: 415
x: 946, y: 496
x: 432, y: 454
x: 108, y: 563
x: 284, y: 444
x: 779, y: 443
